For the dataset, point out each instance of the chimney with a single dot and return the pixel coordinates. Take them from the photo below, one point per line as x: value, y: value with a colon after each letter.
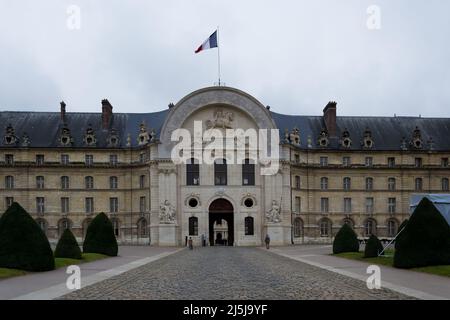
x: 63, y: 110
x: 106, y: 113
x: 329, y: 116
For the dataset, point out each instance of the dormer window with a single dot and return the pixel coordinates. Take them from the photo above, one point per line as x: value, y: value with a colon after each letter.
x: 10, y: 138
x: 113, y: 139
x: 323, y: 139
x: 65, y: 138
x: 345, y: 140
x: 89, y: 137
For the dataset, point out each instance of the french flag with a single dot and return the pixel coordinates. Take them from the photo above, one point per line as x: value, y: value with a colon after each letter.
x: 211, y: 42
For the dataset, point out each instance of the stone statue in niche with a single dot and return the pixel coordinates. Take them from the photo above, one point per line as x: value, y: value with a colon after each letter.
x: 274, y: 214
x: 221, y: 119
x: 167, y: 213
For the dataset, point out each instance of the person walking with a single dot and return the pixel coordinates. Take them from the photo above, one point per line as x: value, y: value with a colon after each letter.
x: 191, y: 246
x: 267, y: 241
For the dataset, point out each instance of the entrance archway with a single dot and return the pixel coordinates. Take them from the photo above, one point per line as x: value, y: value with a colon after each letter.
x: 220, y: 211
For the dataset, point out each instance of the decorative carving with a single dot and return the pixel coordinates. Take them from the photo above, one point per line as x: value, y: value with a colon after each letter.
x: 171, y: 105
x: 286, y: 136
x: 113, y: 138
x: 248, y: 195
x: 274, y: 214
x: 222, y: 119
x: 89, y: 137
x: 167, y: 213
x: 416, y: 140
x: 346, y: 142
x: 167, y: 171
x: 25, y: 140
x: 404, y: 144
x: 10, y: 137
x: 195, y: 196
x: 367, y: 142
x: 294, y: 137
x: 143, y: 137
x: 323, y: 141
x: 65, y: 138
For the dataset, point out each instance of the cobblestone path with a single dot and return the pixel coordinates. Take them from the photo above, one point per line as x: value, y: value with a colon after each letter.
x: 230, y: 273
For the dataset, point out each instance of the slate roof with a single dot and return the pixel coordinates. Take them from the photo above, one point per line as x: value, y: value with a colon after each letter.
x: 44, y: 128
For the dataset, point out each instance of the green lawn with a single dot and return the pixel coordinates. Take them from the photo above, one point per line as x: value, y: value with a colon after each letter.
x: 389, y: 261
x: 59, y: 263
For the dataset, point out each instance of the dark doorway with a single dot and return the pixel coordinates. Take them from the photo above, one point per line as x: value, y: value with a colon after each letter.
x: 221, y: 223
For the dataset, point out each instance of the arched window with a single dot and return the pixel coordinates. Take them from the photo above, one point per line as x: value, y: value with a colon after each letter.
x: 249, y: 226
x: 116, y: 226
x: 40, y: 182
x: 324, y: 183
x: 193, y: 226
x: 142, y: 228
x: 89, y: 182
x: 392, y: 228
x: 369, y: 184
x: 391, y: 184
x: 325, y: 227
x: 9, y: 182
x: 248, y: 173
x: 192, y: 173
x: 347, y: 182
x: 418, y: 184
x: 85, y: 225
x: 298, y: 228
x: 370, y: 227
x: 113, y: 182
x: 63, y: 224
x: 42, y: 224
x: 444, y: 184
x: 220, y: 172
x: 64, y: 182
x: 348, y: 222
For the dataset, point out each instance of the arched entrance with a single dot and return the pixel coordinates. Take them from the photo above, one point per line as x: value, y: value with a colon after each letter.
x: 221, y: 223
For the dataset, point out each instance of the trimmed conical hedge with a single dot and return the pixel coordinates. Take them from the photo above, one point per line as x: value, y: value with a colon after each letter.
x: 67, y: 246
x: 23, y: 245
x: 346, y: 240
x: 373, y: 247
x: 400, y: 232
x: 425, y: 240
x: 100, y: 237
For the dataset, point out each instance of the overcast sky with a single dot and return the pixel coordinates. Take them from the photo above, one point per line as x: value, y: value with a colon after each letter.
x: 292, y: 55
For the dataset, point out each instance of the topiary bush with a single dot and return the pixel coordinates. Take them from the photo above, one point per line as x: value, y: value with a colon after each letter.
x: 23, y: 245
x: 100, y: 237
x: 425, y: 240
x: 67, y: 246
x: 346, y: 240
x: 400, y: 232
x: 373, y: 247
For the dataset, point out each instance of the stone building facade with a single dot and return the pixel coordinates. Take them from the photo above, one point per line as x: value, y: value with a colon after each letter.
x: 65, y: 167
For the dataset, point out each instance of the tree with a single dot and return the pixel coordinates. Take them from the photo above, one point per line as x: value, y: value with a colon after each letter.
x: 346, y: 240
x: 400, y: 232
x: 425, y: 240
x: 23, y: 244
x: 100, y: 237
x: 67, y: 246
x: 373, y: 247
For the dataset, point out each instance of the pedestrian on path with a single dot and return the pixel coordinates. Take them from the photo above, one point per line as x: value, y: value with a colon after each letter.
x: 191, y: 246
x: 267, y: 241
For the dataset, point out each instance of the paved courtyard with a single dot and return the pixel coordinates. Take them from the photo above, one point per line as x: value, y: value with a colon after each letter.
x: 230, y: 273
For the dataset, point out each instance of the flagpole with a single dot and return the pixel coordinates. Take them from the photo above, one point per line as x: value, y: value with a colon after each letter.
x: 218, y: 54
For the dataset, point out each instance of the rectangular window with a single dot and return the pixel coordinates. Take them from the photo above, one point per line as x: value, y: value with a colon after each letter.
x: 391, y: 162
x: 418, y: 162
x: 65, y: 205
x: 369, y: 205
x: 193, y: 226
x: 142, y: 205
x: 347, y: 205
x: 323, y: 161
x: 369, y: 161
x: 444, y: 162
x: 89, y: 205
x: 113, y: 205
x: 9, y: 182
x: 391, y: 184
x: 346, y: 161
x: 298, y: 208
x: 113, y: 159
x: 297, y: 182
x: 248, y: 173
x: 9, y: 159
x: 40, y: 205
x: 65, y: 159
x: 297, y: 158
x: 39, y: 159
x: 220, y: 172
x: 142, y: 181
x: 392, y: 204
x: 142, y: 157
x: 89, y: 159
x: 9, y: 201
x: 40, y: 182
x: 324, y: 205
